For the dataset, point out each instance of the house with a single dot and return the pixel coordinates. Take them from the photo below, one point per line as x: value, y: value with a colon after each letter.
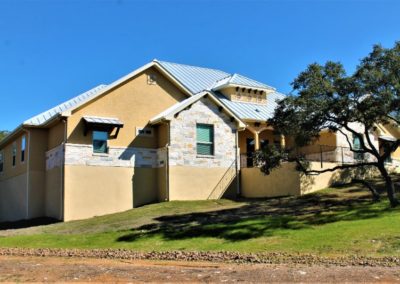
x: 164, y: 132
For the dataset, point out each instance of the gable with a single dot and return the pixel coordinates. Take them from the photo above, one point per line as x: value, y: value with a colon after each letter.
x: 133, y: 102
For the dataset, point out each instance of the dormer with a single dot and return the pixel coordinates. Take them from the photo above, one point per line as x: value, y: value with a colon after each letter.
x: 239, y: 88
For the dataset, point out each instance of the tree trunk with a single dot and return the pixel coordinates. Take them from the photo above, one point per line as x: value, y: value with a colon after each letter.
x: 374, y: 192
x: 388, y: 185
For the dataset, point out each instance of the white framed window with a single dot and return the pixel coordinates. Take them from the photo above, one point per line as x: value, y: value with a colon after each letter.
x: 23, y: 148
x: 144, y: 131
x: 14, y: 154
x: 205, y: 139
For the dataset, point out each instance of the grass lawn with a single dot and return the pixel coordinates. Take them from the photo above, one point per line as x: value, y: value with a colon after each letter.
x: 332, y: 222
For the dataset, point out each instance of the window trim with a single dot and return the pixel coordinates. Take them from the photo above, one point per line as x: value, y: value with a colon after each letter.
x: 107, y: 148
x: 206, y: 143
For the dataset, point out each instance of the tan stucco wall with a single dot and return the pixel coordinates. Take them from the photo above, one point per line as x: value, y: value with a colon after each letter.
x: 94, y: 191
x: 193, y: 183
x: 13, y: 204
x: 20, y: 167
x: 54, y: 193
x: 282, y: 181
x: 56, y: 135
x: 134, y: 102
x: 162, y: 194
x: 144, y: 184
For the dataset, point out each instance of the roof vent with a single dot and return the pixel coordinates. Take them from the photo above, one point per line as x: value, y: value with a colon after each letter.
x: 257, y: 110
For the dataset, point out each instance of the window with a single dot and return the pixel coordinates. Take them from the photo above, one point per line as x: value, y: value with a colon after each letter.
x: 1, y: 162
x: 357, y: 146
x: 23, y: 146
x: 144, y: 131
x: 100, y: 141
x: 205, y: 139
x: 14, y: 154
x: 152, y: 79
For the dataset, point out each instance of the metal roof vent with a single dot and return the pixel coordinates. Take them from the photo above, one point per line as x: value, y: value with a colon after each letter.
x: 257, y: 110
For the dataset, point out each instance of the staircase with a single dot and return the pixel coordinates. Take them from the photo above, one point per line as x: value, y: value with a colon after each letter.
x: 224, y: 182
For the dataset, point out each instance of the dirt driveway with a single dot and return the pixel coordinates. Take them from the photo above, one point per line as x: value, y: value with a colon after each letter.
x: 50, y: 269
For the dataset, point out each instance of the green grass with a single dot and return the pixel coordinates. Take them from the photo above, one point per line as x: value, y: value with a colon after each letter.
x: 332, y: 222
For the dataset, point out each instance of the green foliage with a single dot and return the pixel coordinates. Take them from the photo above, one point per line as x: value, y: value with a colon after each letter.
x: 3, y: 134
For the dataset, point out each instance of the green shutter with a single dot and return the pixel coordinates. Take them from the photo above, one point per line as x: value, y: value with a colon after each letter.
x: 205, y: 139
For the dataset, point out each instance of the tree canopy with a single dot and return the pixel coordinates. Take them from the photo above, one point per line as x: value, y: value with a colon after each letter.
x: 3, y: 134
x: 325, y: 97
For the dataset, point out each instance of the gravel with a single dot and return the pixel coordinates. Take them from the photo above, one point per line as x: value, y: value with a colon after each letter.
x: 221, y: 256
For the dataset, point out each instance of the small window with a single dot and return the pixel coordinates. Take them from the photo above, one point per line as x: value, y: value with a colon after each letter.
x: 100, y: 141
x: 23, y: 147
x: 152, y: 79
x: 205, y: 139
x: 1, y: 162
x: 14, y: 154
x: 144, y: 131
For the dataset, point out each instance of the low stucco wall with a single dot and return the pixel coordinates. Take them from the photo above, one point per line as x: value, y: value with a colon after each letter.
x: 13, y: 195
x: 282, y: 181
x: 54, y: 193
x: 94, y: 191
x: 193, y: 183
x: 286, y: 180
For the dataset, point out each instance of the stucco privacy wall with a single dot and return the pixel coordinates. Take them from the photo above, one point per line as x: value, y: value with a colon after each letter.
x: 286, y: 180
x: 191, y: 176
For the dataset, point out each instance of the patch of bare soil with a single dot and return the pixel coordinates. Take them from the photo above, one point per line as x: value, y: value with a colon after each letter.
x: 60, y: 269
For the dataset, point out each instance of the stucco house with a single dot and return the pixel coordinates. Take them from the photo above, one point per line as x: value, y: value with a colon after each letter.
x: 164, y: 132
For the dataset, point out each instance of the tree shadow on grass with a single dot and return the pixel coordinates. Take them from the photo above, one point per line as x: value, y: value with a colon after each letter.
x: 264, y: 217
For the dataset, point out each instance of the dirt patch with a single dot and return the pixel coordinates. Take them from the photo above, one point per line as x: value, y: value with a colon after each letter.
x: 61, y: 269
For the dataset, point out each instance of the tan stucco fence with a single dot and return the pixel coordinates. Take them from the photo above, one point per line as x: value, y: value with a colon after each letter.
x: 286, y: 180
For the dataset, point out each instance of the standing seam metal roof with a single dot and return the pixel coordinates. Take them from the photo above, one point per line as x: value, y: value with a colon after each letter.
x: 43, y: 117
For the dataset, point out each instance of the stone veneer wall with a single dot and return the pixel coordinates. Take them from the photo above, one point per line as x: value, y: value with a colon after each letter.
x: 182, y: 150
x: 79, y: 154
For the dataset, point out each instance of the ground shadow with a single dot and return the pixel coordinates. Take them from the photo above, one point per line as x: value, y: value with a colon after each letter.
x: 264, y: 217
x: 27, y: 223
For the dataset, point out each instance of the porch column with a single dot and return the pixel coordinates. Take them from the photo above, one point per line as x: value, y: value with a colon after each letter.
x: 283, y: 141
x: 256, y: 141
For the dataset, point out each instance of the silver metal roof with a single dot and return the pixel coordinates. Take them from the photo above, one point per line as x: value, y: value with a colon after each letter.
x: 252, y: 111
x: 44, y: 117
x: 103, y: 120
x: 196, y: 79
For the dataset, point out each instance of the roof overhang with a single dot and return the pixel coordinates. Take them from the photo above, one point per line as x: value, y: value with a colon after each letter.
x: 387, y: 138
x: 227, y: 85
x: 170, y: 113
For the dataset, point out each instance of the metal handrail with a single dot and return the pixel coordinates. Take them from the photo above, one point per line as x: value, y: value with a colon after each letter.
x: 220, y: 184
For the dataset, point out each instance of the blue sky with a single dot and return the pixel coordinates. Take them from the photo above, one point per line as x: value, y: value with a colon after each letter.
x: 51, y: 51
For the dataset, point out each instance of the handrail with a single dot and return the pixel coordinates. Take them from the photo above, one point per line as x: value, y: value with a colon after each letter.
x: 225, y: 178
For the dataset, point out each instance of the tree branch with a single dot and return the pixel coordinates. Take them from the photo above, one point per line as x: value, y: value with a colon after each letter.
x: 341, y: 167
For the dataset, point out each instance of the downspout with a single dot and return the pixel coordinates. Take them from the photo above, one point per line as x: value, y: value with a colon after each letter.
x: 167, y: 163
x: 237, y: 163
x: 62, y: 191
x: 27, y: 172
